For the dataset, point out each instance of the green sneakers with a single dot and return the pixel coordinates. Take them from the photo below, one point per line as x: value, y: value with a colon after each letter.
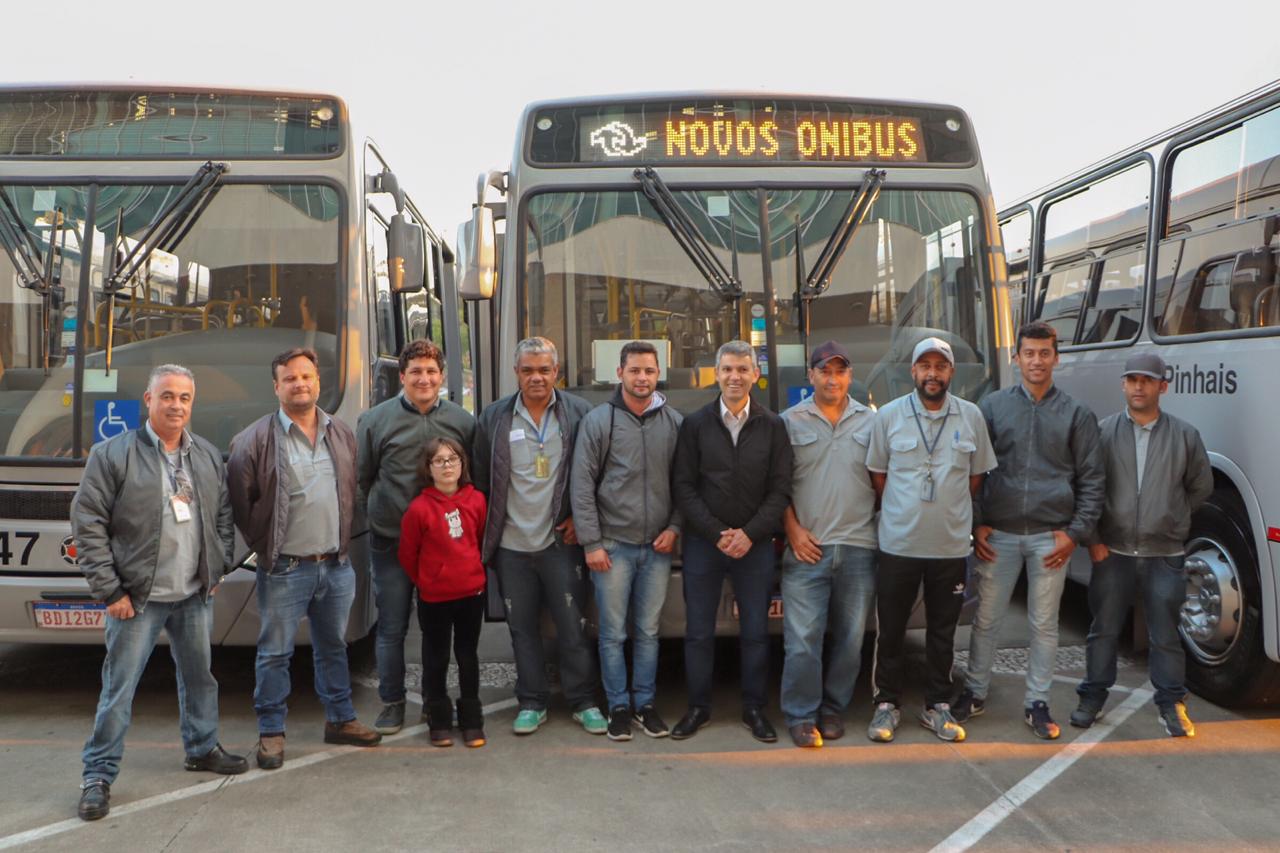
x: 528, y: 721
x: 592, y: 721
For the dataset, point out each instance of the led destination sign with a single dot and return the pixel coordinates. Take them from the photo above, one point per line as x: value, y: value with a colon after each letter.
x: 756, y: 132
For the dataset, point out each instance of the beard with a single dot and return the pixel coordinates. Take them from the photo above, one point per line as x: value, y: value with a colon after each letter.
x: 934, y: 397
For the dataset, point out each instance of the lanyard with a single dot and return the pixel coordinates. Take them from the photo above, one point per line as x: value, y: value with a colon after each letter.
x: 929, y: 448
x: 540, y: 433
x: 174, y: 470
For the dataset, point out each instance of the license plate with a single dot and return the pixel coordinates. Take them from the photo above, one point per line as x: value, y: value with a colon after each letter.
x: 70, y: 615
x: 775, y: 608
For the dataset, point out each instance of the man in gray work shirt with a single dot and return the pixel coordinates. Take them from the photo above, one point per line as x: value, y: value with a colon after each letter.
x: 391, y: 438
x: 1158, y: 474
x: 829, y: 568
x: 292, y: 481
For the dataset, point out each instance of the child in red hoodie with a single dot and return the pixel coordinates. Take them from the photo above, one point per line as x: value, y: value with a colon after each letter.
x: 440, y: 538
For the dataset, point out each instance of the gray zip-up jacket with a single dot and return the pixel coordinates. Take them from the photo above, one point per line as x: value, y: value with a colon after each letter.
x: 621, y: 478
x: 1176, y: 480
x: 1050, y: 474
x: 117, y: 511
x: 258, y: 479
x: 391, y: 438
x: 491, y: 461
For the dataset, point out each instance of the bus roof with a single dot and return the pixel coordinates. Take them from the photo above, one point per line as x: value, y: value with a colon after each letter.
x: 729, y: 95
x: 150, y: 86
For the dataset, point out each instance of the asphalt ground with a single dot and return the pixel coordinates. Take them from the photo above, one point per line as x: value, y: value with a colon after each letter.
x: 1120, y: 785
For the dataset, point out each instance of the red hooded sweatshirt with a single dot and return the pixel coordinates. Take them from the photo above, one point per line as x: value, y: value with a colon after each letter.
x: 440, y: 538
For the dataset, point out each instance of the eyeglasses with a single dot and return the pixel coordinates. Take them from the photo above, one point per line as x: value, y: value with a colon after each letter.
x: 447, y: 462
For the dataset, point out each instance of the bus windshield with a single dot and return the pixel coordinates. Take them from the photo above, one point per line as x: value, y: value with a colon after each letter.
x: 257, y: 273
x: 601, y: 268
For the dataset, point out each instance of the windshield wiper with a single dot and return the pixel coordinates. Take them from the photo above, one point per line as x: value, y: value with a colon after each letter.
x: 724, y: 282
x: 20, y: 244
x: 819, y: 278
x: 167, y: 229
x: 37, y: 270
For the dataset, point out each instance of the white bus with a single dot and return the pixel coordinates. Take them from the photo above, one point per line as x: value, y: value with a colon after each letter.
x: 692, y: 219
x: 1172, y: 246
x: 213, y: 228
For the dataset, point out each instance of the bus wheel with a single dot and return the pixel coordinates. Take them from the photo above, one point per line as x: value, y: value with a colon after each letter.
x: 1221, y: 623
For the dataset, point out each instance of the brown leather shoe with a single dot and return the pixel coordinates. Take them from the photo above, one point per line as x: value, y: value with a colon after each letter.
x: 473, y: 737
x: 351, y: 733
x: 441, y: 737
x: 270, y: 751
x: 806, y: 736
x: 831, y: 726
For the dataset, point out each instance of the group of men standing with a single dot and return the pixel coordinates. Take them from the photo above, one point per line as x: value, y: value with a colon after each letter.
x: 875, y: 506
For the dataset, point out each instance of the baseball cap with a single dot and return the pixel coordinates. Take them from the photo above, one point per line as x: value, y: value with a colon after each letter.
x: 1145, y: 364
x: 933, y: 345
x: 824, y: 352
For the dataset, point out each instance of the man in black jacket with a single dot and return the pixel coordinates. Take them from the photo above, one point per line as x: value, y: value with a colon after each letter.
x: 732, y: 482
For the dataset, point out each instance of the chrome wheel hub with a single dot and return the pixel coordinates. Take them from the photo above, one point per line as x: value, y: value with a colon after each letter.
x: 1210, y: 621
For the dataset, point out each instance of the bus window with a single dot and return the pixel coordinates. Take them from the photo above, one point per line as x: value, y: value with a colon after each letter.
x: 1115, y: 308
x: 1106, y: 214
x: 1218, y: 268
x: 1062, y: 294
x: 383, y: 312
x: 1015, y: 233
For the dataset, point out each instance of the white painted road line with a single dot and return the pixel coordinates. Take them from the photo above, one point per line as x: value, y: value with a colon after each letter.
x: 1035, y: 781
x: 9, y: 842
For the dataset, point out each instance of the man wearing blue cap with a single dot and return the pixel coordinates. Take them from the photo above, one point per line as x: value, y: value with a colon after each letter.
x: 928, y: 454
x: 1158, y: 474
x: 828, y: 569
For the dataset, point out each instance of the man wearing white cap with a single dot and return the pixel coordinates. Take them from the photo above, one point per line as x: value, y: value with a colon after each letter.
x: 1157, y: 475
x: 928, y: 454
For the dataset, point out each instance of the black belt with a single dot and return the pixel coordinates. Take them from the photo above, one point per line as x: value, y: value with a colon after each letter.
x: 310, y: 558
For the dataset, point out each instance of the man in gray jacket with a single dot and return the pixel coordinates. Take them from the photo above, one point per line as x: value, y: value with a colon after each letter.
x: 391, y: 438
x: 292, y: 480
x: 520, y: 461
x: 627, y: 524
x: 1158, y: 474
x: 1040, y: 502
x: 153, y: 533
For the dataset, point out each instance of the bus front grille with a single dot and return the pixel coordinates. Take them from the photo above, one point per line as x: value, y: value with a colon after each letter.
x: 36, y: 505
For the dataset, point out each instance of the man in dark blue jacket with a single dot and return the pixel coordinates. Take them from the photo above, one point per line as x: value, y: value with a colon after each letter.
x: 732, y: 483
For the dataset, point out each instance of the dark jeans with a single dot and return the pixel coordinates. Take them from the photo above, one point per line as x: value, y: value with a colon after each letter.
x: 705, y: 567
x: 898, y: 579
x: 1111, y: 591
x: 394, y: 595
x: 443, y: 622
x: 556, y: 579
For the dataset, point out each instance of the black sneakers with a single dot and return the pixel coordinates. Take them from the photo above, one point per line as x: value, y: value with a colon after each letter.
x: 95, y: 800
x: 619, y: 723
x: 650, y: 723
x: 967, y: 706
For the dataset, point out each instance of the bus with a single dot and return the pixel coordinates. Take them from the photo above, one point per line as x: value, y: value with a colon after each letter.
x: 209, y: 227
x: 1172, y: 246
x: 692, y: 219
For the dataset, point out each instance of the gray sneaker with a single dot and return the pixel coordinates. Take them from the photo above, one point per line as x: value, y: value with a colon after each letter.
x: 390, y: 719
x: 937, y: 719
x: 884, y: 723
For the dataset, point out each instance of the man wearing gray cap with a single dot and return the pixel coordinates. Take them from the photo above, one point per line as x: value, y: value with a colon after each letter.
x: 928, y: 455
x: 1158, y: 474
x: 828, y: 569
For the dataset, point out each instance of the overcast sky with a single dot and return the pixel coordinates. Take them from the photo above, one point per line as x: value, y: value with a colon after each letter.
x: 440, y: 85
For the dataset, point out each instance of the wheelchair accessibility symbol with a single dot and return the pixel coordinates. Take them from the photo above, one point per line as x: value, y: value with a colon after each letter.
x: 114, y: 417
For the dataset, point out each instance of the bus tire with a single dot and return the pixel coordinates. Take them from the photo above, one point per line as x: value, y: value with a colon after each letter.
x: 1221, y: 621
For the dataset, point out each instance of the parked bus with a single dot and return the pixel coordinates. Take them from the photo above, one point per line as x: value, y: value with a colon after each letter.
x: 213, y: 228
x: 1171, y: 246
x: 690, y: 220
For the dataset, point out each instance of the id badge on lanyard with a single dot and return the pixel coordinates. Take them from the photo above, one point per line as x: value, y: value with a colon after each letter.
x: 181, y: 509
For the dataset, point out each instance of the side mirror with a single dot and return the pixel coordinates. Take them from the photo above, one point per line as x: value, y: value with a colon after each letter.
x: 406, y: 264
x: 479, y: 273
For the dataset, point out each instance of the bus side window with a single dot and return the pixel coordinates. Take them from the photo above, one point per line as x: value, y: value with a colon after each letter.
x: 1062, y: 294
x: 1015, y: 233
x: 383, y: 305
x: 1115, y: 306
x: 1217, y: 267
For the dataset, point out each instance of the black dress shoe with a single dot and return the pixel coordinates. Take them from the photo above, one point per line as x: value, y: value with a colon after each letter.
x: 95, y: 800
x: 694, y: 719
x: 761, y: 728
x: 218, y: 760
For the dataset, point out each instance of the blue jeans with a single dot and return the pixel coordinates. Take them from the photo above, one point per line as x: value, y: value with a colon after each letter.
x: 837, y: 592
x: 705, y: 567
x: 322, y: 592
x: 551, y: 578
x: 1111, y: 591
x: 394, y: 595
x: 636, y: 581
x: 129, y: 646
x: 995, y: 582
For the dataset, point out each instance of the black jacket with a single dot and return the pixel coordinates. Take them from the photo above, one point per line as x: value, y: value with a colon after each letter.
x: 719, y: 486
